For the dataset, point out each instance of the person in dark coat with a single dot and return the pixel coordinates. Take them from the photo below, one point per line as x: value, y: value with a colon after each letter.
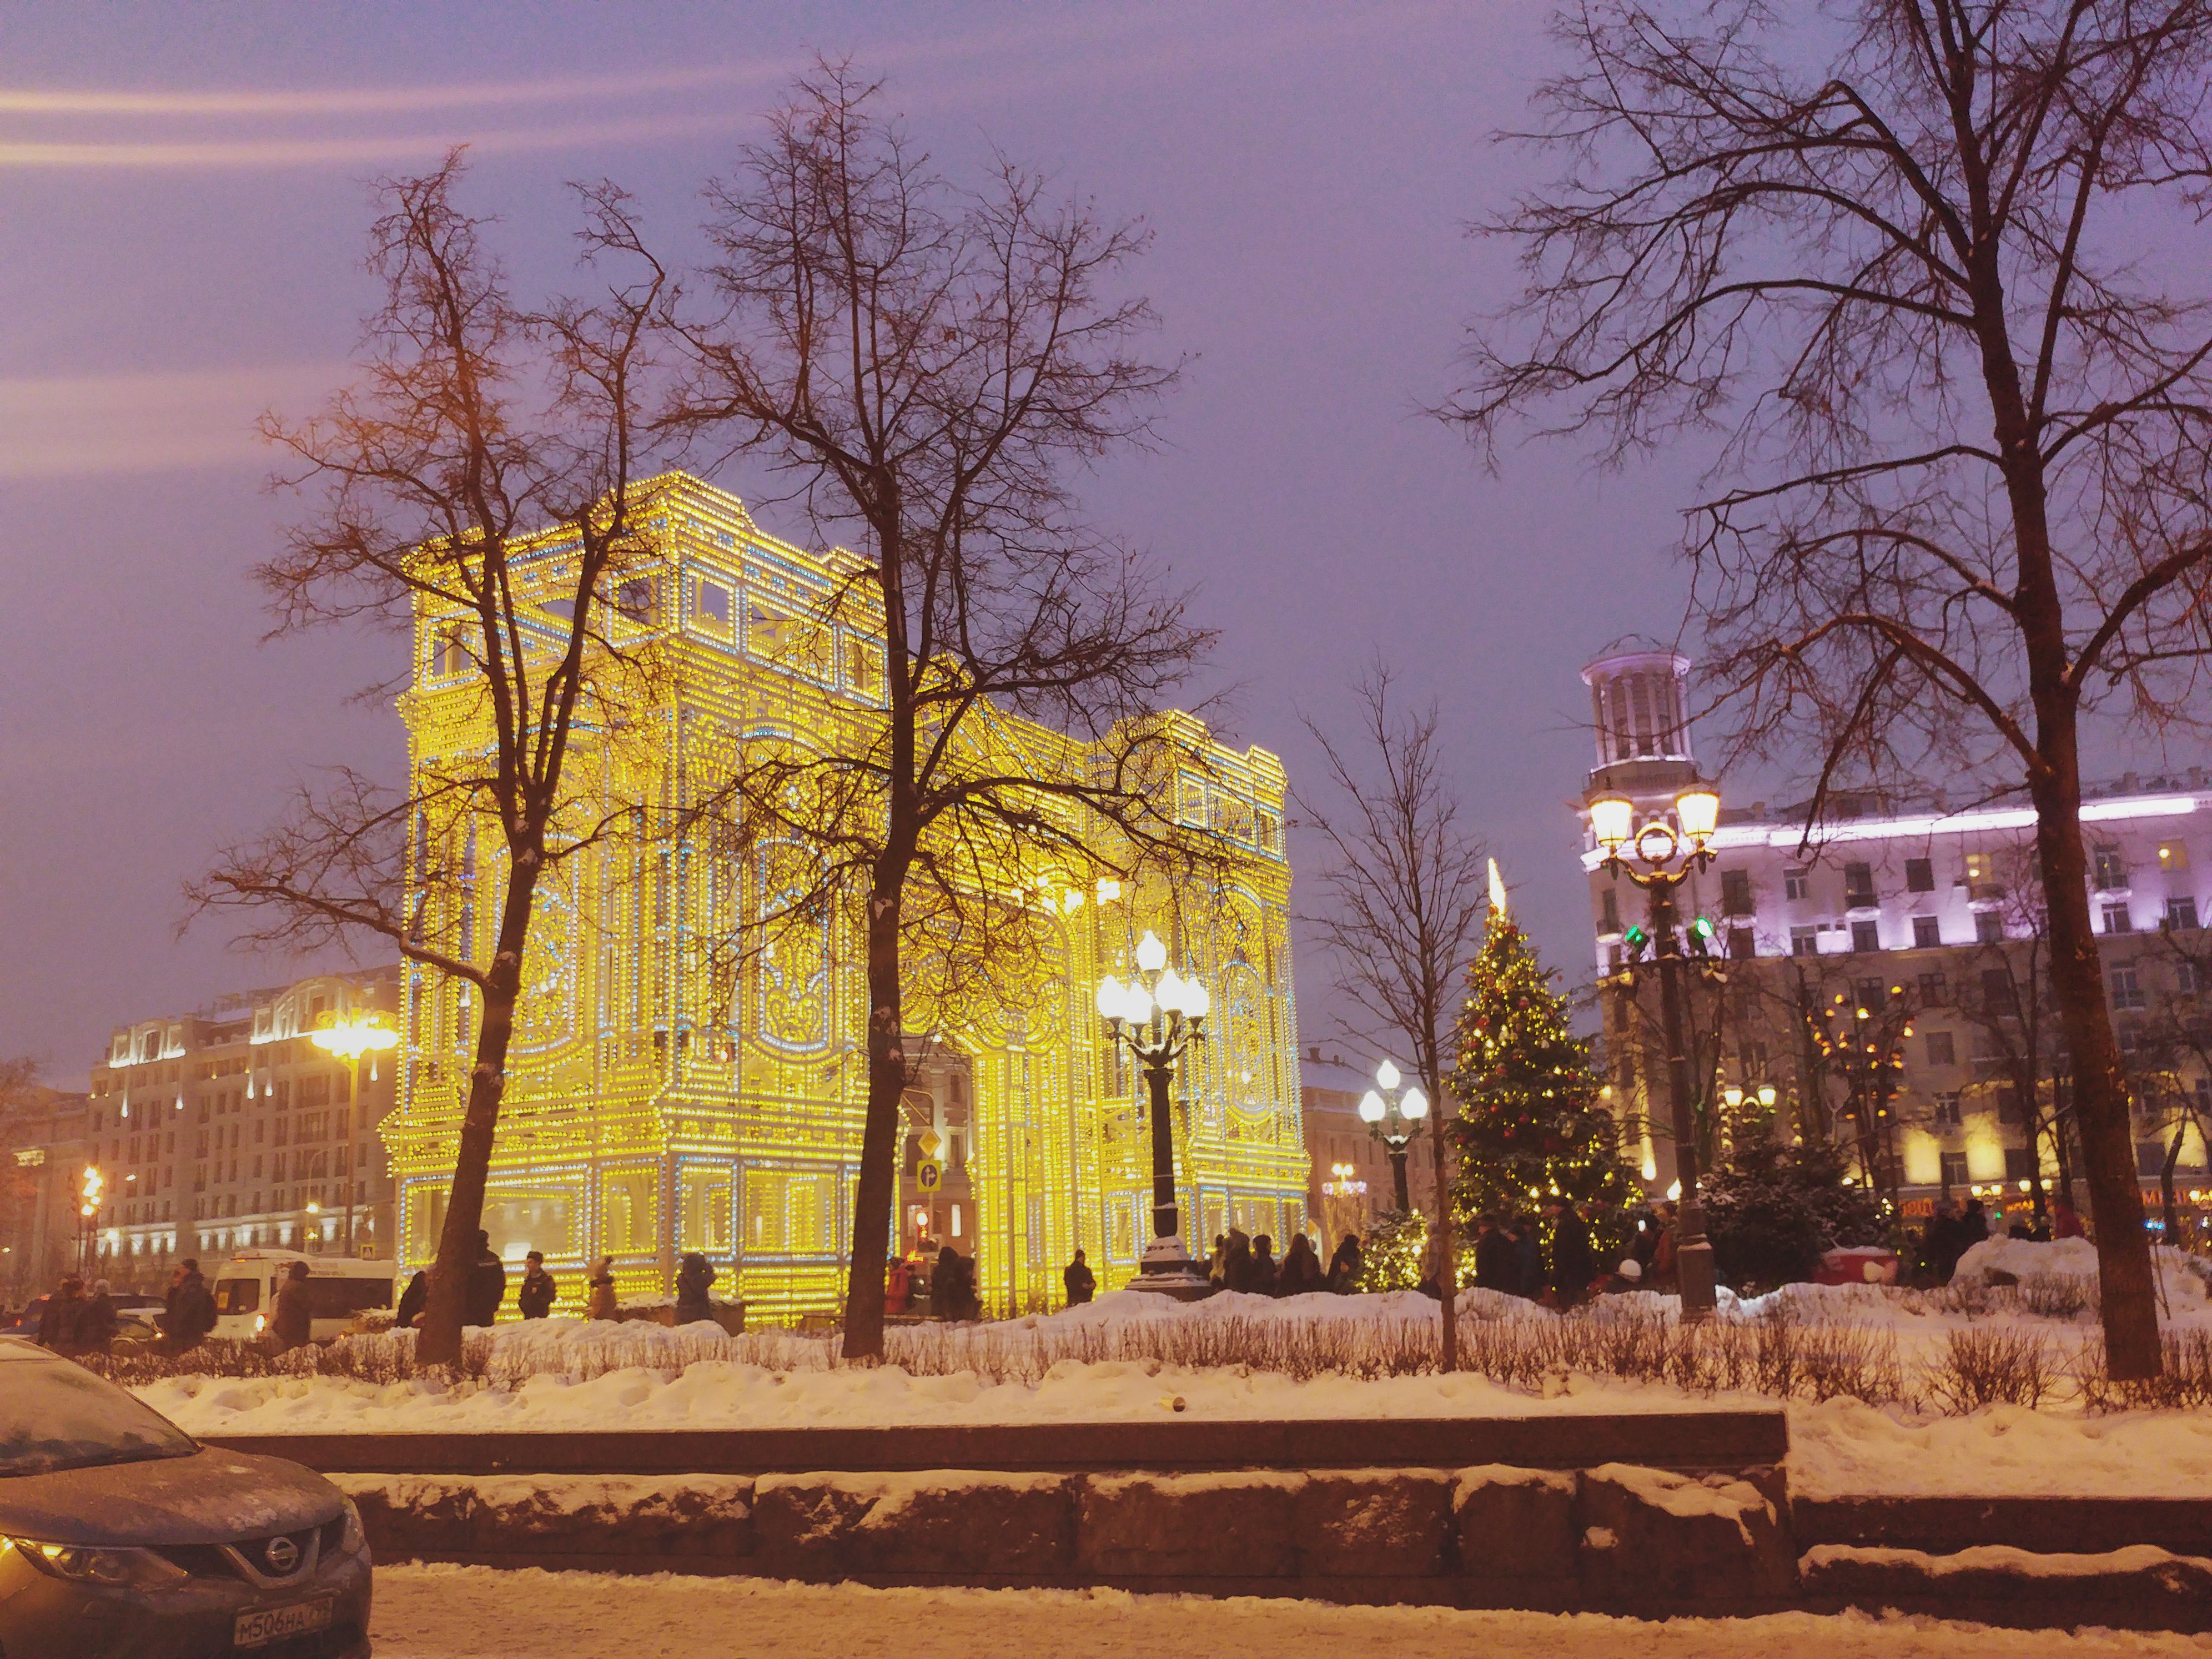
x: 1264, y: 1267
x: 1494, y: 1268
x: 487, y: 1283
x: 1082, y: 1284
x: 693, y: 1280
x: 95, y: 1328
x: 188, y: 1310
x: 535, y: 1295
x: 1346, y: 1266
x: 1301, y: 1272
x: 61, y: 1326
x: 1527, y: 1258
x: 1574, y: 1263
x: 944, y: 1301
x: 1236, y: 1262
x: 292, y: 1325
x: 412, y: 1301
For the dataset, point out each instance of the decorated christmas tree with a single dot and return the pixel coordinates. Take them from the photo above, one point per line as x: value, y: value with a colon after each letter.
x: 1530, y: 1125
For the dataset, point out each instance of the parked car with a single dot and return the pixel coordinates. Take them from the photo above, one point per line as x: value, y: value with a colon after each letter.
x: 339, y: 1288
x: 121, y: 1537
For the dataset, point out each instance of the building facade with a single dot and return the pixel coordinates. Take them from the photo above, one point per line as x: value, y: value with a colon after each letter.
x: 43, y: 1137
x: 688, y: 1066
x: 1886, y: 977
x: 228, y: 1127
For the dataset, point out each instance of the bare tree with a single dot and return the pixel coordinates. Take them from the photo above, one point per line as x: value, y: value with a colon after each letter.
x: 928, y: 365
x: 1961, y: 501
x: 1405, y: 896
x: 480, y: 425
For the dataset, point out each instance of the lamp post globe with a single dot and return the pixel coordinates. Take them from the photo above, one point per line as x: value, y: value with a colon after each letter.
x: 1390, y: 1113
x: 1157, y: 1015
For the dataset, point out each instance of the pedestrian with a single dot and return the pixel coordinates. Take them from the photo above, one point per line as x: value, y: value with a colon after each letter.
x: 1301, y: 1274
x: 1527, y: 1258
x: 1493, y: 1257
x: 599, y: 1300
x: 412, y: 1301
x: 2065, y: 1224
x: 1627, y: 1276
x: 1348, y: 1265
x: 188, y: 1311
x: 1574, y: 1263
x: 1236, y: 1261
x: 693, y: 1280
x: 1973, y: 1226
x: 1082, y: 1284
x: 1663, y: 1272
x: 292, y: 1322
x: 60, y: 1324
x: 95, y: 1327
x: 1263, y: 1266
x: 487, y: 1283
x: 1217, y: 1264
x: 539, y: 1289
x: 2021, y: 1225
x: 945, y: 1299
x: 898, y: 1285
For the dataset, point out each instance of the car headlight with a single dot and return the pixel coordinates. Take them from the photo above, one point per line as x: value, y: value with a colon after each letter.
x: 354, y: 1540
x: 80, y: 1563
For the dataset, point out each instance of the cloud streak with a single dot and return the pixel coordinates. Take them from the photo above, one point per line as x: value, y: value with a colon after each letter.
x: 84, y: 425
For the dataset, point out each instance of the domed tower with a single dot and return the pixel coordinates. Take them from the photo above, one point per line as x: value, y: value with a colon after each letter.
x: 1637, y: 708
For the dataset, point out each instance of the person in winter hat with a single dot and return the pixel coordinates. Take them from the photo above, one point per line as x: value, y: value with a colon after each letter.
x: 1574, y: 1262
x: 487, y: 1283
x: 188, y: 1310
x: 600, y: 1299
x: 95, y: 1328
x: 1346, y: 1266
x: 292, y: 1322
x: 537, y: 1293
x: 412, y: 1301
x: 693, y: 1280
x: 1082, y: 1284
x: 62, y: 1323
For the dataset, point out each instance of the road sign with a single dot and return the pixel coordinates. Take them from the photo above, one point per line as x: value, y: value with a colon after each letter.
x: 929, y: 1178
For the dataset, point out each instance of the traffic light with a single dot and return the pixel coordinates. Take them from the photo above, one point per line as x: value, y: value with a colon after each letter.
x: 1634, y: 940
x: 1701, y: 937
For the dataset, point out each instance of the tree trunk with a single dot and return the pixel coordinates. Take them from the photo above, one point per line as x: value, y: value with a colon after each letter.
x: 2127, y: 1295
x: 1448, y: 1280
x: 875, y: 1192
x: 438, y: 1338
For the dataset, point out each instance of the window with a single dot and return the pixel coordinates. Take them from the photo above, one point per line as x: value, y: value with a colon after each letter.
x: 1866, y: 936
x: 2150, y: 1159
x: 2172, y: 855
x: 861, y: 667
x: 2112, y: 871
x: 2116, y: 918
x: 1805, y: 940
x: 2181, y: 915
x: 1609, y: 905
x: 1998, y: 996
x: 1935, y: 990
x: 452, y: 654
x: 1796, y: 884
x: 1858, y: 884
x: 2127, y: 990
x: 1869, y: 993
x: 1740, y: 947
x: 636, y: 599
x: 2188, y: 977
x: 1954, y: 1168
x: 712, y: 607
x: 1927, y: 932
x: 1736, y: 892
x: 2020, y: 1163
x: 1941, y: 1050
x: 1989, y: 928
x: 1982, y: 875
x: 1920, y: 875
x: 1946, y: 1109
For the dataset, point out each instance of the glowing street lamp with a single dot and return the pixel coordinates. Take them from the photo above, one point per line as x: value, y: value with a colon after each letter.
x: 1659, y: 857
x: 349, y: 1037
x: 1158, y: 1014
x: 1391, y: 1115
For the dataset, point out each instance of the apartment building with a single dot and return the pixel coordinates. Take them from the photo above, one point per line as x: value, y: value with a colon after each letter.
x: 1885, y: 977
x: 230, y: 1127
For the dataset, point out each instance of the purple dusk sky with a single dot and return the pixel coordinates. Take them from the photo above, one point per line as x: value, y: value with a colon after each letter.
x: 183, y: 193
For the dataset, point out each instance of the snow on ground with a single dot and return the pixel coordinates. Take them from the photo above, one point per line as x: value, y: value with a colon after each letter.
x: 444, y: 1612
x: 575, y: 1375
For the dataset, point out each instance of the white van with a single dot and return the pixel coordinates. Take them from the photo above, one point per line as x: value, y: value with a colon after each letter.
x: 338, y: 1288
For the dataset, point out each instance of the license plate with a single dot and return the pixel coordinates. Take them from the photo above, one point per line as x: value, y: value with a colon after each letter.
x: 263, y: 1625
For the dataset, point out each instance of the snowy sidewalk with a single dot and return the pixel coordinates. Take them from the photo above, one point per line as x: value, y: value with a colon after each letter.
x: 474, y: 1613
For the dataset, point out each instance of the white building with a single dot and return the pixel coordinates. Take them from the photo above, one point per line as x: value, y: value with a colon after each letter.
x: 1924, y: 913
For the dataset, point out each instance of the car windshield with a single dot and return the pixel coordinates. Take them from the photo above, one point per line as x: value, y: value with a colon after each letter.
x: 55, y: 1414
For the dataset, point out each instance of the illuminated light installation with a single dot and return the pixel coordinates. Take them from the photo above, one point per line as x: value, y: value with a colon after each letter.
x: 663, y: 1097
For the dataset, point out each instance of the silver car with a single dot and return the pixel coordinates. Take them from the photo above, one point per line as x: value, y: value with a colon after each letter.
x: 120, y: 1535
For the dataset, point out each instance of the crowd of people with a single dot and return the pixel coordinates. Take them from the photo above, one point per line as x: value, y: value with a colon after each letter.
x: 1952, y: 1228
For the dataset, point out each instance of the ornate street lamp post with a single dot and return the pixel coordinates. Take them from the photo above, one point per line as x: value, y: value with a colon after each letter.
x: 1390, y: 1113
x: 358, y: 1033
x: 88, y: 1210
x: 1659, y: 858
x: 1158, y: 1016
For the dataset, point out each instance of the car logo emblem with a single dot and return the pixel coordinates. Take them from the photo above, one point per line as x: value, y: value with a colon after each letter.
x: 282, y: 1554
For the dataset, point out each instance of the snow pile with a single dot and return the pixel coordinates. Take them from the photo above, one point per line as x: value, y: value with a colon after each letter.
x: 2185, y: 1279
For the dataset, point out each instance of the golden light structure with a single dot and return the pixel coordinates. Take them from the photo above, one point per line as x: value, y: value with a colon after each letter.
x: 667, y: 1093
